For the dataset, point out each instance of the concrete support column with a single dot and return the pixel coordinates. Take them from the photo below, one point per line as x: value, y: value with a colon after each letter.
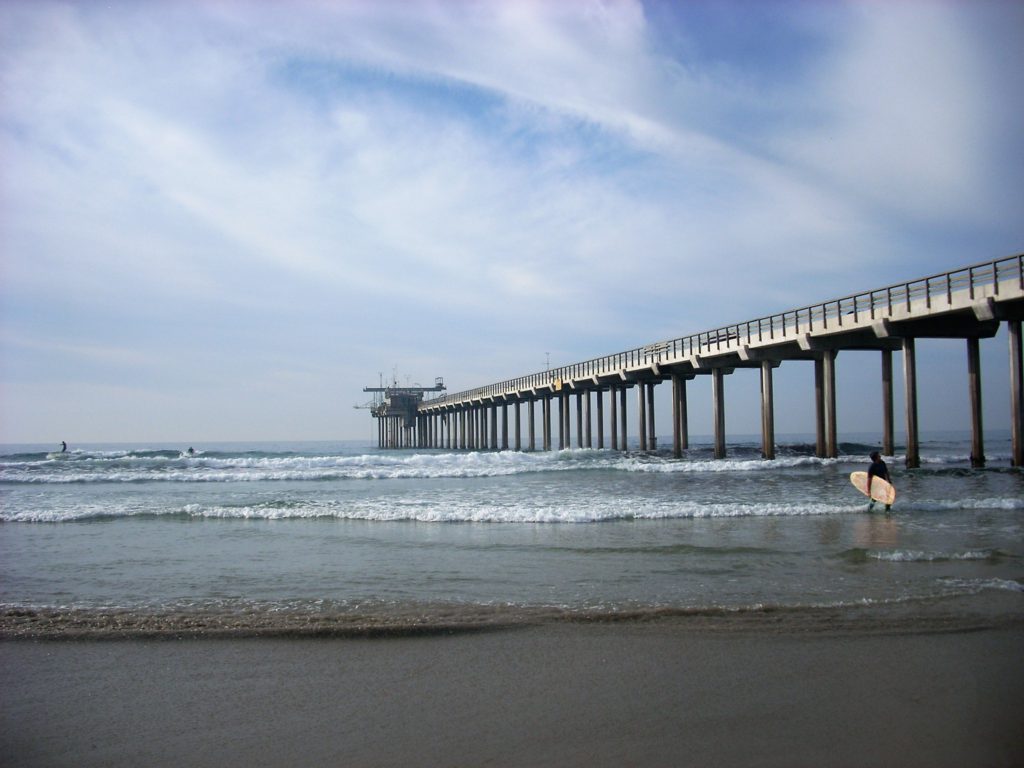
x: 494, y: 427
x: 910, y: 382
x: 1016, y: 394
x: 684, y: 418
x: 532, y: 444
x: 579, y: 419
x: 652, y: 432
x: 887, y: 421
x: 767, y: 411
x: 623, y: 434
x: 586, y: 419
x: 567, y: 419
x: 718, y: 410
x: 819, y: 408
x: 974, y: 384
x: 599, y: 397
x: 613, y: 416
x: 641, y: 410
x: 518, y: 430
x: 563, y: 417
x: 831, y: 433
x: 677, y: 440
x: 546, y: 422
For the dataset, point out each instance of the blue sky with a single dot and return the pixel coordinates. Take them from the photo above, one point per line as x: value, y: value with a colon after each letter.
x: 220, y: 220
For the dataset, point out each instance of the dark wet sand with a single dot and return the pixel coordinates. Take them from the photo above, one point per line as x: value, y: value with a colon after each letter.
x: 557, y: 695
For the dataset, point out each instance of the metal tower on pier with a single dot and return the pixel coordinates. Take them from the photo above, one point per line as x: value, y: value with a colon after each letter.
x: 397, y: 412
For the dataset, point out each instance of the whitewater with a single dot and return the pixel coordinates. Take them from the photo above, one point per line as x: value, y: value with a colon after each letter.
x: 302, y: 536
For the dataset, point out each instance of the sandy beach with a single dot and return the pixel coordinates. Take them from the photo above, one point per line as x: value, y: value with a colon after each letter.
x: 658, y: 694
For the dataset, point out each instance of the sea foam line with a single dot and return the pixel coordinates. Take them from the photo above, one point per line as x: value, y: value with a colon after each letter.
x: 446, y: 511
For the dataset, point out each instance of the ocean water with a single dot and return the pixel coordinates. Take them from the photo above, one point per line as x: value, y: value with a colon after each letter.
x: 343, y: 538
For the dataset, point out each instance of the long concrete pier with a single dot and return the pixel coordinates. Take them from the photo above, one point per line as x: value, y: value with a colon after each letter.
x: 968, y: 303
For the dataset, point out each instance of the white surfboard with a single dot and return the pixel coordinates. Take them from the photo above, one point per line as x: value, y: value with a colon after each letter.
x: 880, y: 489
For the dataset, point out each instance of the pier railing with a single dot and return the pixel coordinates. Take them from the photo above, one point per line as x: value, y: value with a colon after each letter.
x: 929, y: 293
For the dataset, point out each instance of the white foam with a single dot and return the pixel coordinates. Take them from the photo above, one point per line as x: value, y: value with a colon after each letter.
x: 974, y: 586
x: 917, y: 556
x: 952, y: 505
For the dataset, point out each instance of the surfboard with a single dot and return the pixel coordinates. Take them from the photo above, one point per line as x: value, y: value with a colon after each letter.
x: 880, y: 489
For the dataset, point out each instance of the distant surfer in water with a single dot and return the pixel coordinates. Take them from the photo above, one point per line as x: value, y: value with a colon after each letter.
x: 63, y: 446
x: 877, y: 469
x: 191, y: 451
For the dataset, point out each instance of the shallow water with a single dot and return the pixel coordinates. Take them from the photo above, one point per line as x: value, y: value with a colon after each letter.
x: 257, y: 535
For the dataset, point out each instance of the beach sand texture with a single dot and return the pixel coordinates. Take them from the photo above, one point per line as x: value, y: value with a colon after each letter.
x: 658, y: 694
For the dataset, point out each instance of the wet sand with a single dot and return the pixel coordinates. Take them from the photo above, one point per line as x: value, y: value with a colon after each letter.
x: 555, y: 695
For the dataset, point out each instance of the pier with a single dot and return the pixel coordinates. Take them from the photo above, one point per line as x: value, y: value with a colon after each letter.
x: 968, y: 303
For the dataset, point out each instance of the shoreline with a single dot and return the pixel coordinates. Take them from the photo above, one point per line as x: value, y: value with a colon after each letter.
x: 595, y: 694
x: 998, y: 609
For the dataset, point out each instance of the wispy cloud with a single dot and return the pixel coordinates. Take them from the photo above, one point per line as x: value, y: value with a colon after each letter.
x: 240, y: 181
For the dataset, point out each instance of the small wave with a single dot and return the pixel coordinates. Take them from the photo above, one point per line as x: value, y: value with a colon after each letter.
x: 860, y: 555
x: 975, y: 586
x: 380, y: 619
x: 918, y: 556
x: 440, y: 511
x: 954, y: 505
x: 167, y: 466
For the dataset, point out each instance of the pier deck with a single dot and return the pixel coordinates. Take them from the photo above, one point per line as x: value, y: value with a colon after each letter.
x: 967, y: 303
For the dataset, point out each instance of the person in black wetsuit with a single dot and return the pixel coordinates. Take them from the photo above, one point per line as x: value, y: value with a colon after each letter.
x: 63, y: 446
x: 878, y: 468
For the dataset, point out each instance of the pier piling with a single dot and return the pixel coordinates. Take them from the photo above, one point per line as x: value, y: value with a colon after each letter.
x: 968, y: 303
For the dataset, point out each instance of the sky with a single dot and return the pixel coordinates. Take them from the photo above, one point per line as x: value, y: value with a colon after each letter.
x: 220, y: 220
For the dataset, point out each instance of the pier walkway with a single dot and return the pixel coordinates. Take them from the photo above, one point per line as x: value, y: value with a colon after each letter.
x: 967, y: 303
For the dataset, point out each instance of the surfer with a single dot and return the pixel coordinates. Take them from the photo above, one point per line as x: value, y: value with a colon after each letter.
x: 878, y: 468
x: 191, y: 451
x: 63, y: 446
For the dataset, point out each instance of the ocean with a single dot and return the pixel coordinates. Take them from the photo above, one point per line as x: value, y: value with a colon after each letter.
x: 337, y: 539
